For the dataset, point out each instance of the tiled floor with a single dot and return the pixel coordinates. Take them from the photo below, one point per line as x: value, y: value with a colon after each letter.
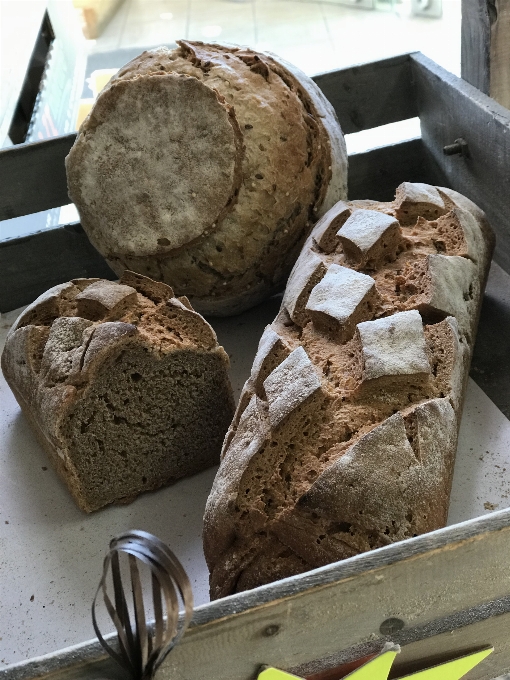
x: 316, y: 36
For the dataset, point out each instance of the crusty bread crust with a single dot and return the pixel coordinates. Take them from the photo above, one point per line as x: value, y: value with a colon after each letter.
x: 205, y: 167
x: 125, y: 386
x: 344, y: 438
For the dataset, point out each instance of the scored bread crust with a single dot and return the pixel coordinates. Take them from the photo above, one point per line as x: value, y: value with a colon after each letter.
x: 345, y: 434
x: 287, y: 166
x: 124, y: 384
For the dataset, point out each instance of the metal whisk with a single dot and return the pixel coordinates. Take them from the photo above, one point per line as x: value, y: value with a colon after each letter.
x: 143, y: 646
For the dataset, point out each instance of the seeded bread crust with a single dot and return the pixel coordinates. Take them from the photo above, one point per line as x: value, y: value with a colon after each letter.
x: 205, y: 167
x: 124, y: 384
x: 345, y: 434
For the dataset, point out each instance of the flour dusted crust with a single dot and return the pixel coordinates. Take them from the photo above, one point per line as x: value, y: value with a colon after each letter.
x: 356, y: 392
x: 124, y: 384
x: 205, y: 167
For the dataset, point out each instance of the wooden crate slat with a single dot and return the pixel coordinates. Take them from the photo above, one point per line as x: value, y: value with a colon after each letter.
x: 32, y: 264
x: 450, y: 109
x: 376, y: 174
x: 485, y: 47
x: 318, y: 621
x: 33, y: 177
x: 372, y: 94
x: 475, y: 43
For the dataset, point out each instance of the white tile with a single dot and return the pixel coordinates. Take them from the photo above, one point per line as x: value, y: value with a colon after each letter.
x: 222, y: 20
x: 112, y: 33
x: 155, y: 22
x: 286, y: 23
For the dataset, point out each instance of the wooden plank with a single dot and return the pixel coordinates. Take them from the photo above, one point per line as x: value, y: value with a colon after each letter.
x: 486, y: 47
x: 426, y: 653
x: 33, y: 177
x: 490, y: 365
x: 32, y: 264
x: 449, y: 109
x: 57, y: 255
x: 500, y: 52
x: 447, y: 580
x: 475, y: 43
x: 372, y: 94
x: 378, y: 172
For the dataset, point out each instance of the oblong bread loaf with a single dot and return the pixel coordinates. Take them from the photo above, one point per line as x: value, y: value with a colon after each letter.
x: 345, y: 434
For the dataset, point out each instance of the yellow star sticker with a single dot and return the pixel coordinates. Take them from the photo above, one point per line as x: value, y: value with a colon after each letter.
x: 379, y: 668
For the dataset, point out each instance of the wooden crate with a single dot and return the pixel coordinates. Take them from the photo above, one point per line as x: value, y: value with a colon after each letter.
x: 450, y: 588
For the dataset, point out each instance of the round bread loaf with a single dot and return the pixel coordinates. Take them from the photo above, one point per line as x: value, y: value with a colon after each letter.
x: 205, y: 167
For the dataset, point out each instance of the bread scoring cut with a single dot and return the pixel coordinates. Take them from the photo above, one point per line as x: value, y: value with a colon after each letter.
x: 366, y: 458
x: 369, y: 238
x: 341, y: 299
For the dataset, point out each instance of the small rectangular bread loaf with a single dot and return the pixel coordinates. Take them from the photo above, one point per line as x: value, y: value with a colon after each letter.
x: 125, y: 386
x: 345, y: 435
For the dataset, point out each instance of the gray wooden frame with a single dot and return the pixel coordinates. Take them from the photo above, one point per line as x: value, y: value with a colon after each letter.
x: 485, y: 47
x: 33, y: 177
x: 451, y: 588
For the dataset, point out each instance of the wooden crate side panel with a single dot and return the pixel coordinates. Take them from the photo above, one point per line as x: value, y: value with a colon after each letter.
x: 450, y: 108
x: 485, y: 47
x: 446, y: 580
x: 377, y: 173
x: 370, y: 95
x: 316, y: 623
x: 500, y: 51
x: 445, y: 647
x: 456, y: 581
x: 475, y: 43
x: 32, y: 264
x: 34, y: 177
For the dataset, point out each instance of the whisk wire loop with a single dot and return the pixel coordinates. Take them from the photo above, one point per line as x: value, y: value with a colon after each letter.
x: 142, y: 646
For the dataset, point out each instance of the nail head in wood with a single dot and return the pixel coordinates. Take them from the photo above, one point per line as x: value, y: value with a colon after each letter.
x: 391, y: 626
